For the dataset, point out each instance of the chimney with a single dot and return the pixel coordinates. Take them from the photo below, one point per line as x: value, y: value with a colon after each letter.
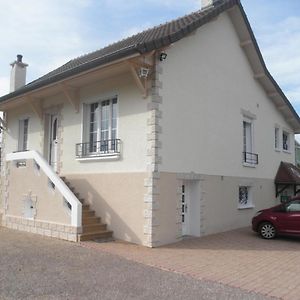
x: 207, y: 3
x: 17, y: 74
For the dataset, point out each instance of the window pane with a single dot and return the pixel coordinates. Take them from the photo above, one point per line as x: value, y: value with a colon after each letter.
x: 285, y: 141
x: 102, y: 126
x: 276, y: 138
x: 23, y: 135
x: 247, y: 137
x: 243, y: 195
x: 93, y: 127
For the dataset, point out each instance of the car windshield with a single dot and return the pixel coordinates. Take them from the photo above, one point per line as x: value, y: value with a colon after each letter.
x: 293, y: 206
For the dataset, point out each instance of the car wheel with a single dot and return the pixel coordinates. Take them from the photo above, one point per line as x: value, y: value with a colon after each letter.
x: 267, y: 230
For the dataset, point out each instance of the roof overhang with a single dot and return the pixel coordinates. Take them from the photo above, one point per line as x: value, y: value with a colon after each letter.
x: 287, y: 173
x: 44, y: 86
x: 71, y: 84
x: 260, y: 72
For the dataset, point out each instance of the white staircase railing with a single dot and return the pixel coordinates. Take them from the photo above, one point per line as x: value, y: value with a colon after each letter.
x: 76, y: 210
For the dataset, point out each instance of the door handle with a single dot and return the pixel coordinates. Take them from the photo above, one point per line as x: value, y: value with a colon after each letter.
x: 185, y: 208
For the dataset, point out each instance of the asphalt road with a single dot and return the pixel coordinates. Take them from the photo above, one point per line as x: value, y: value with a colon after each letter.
x: 35, y: 267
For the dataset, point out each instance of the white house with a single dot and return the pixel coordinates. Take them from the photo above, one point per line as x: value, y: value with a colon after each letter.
x: 178, y: 130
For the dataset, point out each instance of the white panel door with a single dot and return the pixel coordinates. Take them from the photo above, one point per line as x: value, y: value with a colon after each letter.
x: 185, y: 209
x: 53, y: 142
x: 190, y: 207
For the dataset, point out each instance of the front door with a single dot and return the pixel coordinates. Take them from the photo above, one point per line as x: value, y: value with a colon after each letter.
x: 53, y: 142
x: 184, y: 209
x: 190, y: 207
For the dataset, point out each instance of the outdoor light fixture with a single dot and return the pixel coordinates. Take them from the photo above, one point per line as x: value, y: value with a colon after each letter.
x: 163, y: 56
x: 143, y: 72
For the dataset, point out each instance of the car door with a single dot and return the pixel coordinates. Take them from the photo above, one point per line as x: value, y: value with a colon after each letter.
x: 290, y: 222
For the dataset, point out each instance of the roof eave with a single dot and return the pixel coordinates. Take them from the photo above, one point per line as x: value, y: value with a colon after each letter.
x: 268, y: 74
x: 72, y: 72
x: 141, y: 48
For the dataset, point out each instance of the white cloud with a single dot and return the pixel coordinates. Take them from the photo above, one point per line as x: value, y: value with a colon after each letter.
x: 293, y: 95
x: 4, y: 85
x: 47, y: 32
x: 136, y: 29
x: 50, y: 32
x: 121, y: 5
x: 280, y: 44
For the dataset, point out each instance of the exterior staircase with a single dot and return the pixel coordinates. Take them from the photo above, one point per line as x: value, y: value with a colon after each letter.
x: 92, y: 228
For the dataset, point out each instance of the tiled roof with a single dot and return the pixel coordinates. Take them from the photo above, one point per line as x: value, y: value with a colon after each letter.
x: 143, y: 42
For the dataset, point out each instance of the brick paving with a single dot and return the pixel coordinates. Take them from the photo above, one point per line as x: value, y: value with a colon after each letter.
x: 237, y: 258
x: 39, y: 267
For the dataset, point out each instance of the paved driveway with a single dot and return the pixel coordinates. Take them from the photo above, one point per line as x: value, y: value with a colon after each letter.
x: 35, y: 267
x: 238, y: 258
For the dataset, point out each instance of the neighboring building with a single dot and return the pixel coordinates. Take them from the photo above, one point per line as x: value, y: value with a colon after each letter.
x: 178, y: 130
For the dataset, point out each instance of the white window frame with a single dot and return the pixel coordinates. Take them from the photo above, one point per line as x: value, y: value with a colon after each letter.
x: 21, y: 143
x: 247, y: 119
x: 249, y: 203
x: 85, y: 138
x: 277, y: 139
x: 288, y: 134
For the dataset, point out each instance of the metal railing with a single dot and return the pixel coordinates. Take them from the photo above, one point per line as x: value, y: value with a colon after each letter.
x: 250, y: 158
x: 98, y: 148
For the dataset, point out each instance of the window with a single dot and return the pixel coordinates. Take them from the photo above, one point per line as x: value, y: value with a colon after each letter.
x: 285, y: 141
x: 276, y: 138
x: 247, y: 136
x: 23, y: 135
x: 100, y: 129
x: 249, y: 157
x: 245, y: 199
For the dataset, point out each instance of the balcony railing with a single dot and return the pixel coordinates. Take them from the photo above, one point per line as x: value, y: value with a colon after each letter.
x: 250, y: 158
x: 98, y: 148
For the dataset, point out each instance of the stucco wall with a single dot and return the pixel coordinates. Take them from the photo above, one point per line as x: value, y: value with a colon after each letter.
x: 167, y: 217
x: 35, y: 129
x: 132, y: 122
x: 207, y: 81
x: 218, y: 210
x: 28, y: 181
x: 220, y: 202
x: 132, y: 126
x: 118, y: 198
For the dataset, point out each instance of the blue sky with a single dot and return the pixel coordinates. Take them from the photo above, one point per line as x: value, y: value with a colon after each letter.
x: 50, y: 32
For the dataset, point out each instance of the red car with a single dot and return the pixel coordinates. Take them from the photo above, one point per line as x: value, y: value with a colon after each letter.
x: 277, y: 220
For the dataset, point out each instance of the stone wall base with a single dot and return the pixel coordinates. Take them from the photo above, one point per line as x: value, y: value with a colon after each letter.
x: 59, y: 231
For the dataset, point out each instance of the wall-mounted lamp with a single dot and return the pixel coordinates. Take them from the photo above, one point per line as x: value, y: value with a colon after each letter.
x: 163, y: 56
x: 143, y: 72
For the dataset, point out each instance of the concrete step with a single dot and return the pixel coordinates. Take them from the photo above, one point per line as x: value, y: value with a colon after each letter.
x: 85, y: 207
x: 90, y: 220
x: 97, y: 235
x: 90, y: 228
x: 88, y: 213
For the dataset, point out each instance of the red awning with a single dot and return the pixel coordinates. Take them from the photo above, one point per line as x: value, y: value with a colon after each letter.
x: 287, y: 174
